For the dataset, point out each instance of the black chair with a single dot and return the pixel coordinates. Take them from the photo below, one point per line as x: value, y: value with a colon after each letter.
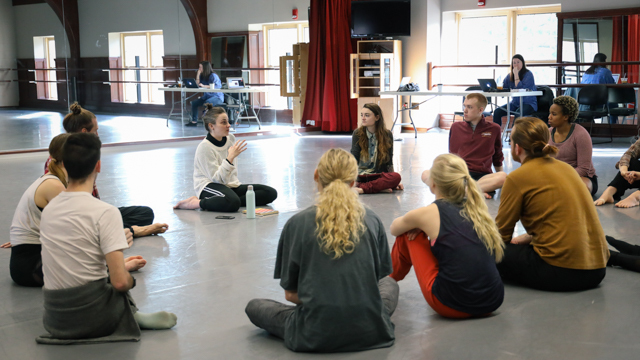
x: 597, y: 98
x: 544, y: 103
x: 623, y: 96
x: 474, y: 88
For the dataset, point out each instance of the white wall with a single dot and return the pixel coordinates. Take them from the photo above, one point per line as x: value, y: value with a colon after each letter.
x: 567, y: 5
x: 37, y: 20
x: 236, y: 15
x: 8, y: 91
x: 99, y: 17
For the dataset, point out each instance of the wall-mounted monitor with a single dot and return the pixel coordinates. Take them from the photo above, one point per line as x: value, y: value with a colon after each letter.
x: 380, y: 18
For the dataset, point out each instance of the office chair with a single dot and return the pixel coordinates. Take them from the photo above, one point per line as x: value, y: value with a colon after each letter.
x: 623, y: 96
x: 597, y: 98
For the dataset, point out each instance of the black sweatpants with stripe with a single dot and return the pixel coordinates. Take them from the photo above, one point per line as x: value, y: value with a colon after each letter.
x: 221, y: 198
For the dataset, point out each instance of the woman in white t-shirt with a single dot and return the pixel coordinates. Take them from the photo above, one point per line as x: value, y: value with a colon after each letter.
x: 25, y: 265
x: 215, y: 173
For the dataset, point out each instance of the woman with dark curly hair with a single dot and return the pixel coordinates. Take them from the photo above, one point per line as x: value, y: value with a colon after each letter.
x: 572, y: 140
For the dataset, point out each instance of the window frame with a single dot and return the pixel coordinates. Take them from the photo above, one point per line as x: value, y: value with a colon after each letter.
x: 148, y: 34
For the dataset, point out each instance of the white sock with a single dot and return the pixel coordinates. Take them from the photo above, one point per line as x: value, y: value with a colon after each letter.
x: 156, y: 321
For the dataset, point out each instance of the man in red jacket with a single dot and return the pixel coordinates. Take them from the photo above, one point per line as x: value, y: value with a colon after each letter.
x: 478, y: 142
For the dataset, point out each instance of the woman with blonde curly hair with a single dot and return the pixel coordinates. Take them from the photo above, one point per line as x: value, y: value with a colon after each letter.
x: 572, y: 140
x: 332, y: 262
x: 372, y: 146
x: 453, y: 244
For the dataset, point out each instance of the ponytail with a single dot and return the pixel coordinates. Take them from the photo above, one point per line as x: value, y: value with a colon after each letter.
x: 56, y: 167
x: 339, y: 212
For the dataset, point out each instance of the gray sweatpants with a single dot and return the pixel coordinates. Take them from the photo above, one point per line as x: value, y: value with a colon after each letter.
x: 272, y: 315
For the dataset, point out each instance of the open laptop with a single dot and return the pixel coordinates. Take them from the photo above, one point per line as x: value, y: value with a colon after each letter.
x: 616, y: 77
x: 190, y: 83
x: 405, y: 81
x: 489, y: 85
x: 235, y: 83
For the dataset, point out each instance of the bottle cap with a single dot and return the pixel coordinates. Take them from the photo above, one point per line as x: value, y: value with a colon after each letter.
x: 250, y: 187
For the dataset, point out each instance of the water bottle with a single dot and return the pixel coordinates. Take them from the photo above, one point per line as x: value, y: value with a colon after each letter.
x: 251, y: 203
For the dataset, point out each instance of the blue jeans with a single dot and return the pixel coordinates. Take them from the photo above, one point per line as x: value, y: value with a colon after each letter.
x: 195, y: 104
x: 502, y: 111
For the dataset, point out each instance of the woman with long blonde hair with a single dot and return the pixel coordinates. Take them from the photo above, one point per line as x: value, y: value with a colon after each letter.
x: 332, y: 262
x: 372, y: 146
x: 453, y: 244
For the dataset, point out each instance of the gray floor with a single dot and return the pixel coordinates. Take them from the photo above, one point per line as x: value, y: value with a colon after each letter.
x: 206, y: 270
x: 29, y: 129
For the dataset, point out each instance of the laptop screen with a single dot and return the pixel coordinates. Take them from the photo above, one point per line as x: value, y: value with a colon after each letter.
x: 235, y: 83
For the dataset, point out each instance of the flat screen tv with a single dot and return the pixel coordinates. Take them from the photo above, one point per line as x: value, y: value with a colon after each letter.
x: 380, y: 18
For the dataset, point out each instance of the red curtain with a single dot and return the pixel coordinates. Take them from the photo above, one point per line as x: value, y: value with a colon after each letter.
x: 327, y: 101
x: 616, y: 50
x: 633, y: 53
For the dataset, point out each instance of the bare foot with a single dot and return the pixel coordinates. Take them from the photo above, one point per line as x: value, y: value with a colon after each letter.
x: 359, y: 191
x: 153, y: 229
x: 387, y: 191
x: 400, y: 187
x: 629, y: 202
x: 602, y: 201
x: 191, y: 203
x: 134, y: 263
x: 487, y: 196
x: 6, y: 245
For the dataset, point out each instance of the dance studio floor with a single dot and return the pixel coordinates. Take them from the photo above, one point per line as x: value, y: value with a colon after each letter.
x: 206, y: 270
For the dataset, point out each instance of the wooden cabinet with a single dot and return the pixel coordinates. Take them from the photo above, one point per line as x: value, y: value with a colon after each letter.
x: 376, y: 67
x: 293, y: 78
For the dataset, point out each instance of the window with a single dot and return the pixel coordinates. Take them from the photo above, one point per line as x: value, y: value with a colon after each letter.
x: 487, y: 36
x: 138, y: 50
x: 44, y: 56
x: 279, y: 40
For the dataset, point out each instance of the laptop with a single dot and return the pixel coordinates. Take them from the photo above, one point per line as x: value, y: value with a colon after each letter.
x: 405, y: 81
x: 235, y: 83
x: 190, y: 83
x: 616, y: 77
x: 489, y: 85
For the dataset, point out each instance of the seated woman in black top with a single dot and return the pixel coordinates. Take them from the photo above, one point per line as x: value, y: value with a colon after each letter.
x: 453, y: 245
x: 333, y: 261
x: 372, y: 146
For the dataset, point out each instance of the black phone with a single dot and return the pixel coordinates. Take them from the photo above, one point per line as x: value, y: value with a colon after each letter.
x: 225, y: 217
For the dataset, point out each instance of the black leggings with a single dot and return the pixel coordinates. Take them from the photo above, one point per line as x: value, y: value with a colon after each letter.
x: 629, y: 256
x: 25, y: 265
x: 521, y: 264
x: 621, y: 184
x: 136, y: 216
x: 221, y: 198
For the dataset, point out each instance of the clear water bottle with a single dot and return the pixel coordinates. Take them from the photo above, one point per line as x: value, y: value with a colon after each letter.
x: 251, y: 203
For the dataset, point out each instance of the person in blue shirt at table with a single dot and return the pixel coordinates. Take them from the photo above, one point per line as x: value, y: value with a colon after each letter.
x: 598, y: 74
x: 519, y: 78
x: 204, y: 78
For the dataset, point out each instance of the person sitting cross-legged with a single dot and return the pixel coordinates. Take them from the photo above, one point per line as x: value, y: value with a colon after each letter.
x: 81, y: 236
x: 478, y: 143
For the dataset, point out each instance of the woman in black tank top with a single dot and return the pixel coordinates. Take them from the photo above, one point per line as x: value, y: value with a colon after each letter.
x: 453, y: 244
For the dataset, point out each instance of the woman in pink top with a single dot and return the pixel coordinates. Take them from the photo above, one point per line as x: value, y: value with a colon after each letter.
x: 572, y: 140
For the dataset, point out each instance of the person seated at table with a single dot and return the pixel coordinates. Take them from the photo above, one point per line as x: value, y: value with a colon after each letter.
x: 572, y: 140
x: 478, y: 143
x: 564, y: 248
x: 453, y: 245
x: 205, y: 77
x: 627, y: 178
x: 138, y: 220
x: 215, y: 169
x: 81, y: 236
x: 519, y: 77
x: 598, y: 74
x: 372, y: 146
x: 332, y: 262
